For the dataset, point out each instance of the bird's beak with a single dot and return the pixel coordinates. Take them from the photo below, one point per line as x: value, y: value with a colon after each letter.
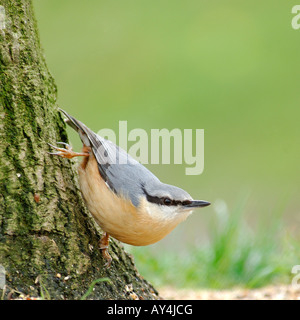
x: 197, y: 204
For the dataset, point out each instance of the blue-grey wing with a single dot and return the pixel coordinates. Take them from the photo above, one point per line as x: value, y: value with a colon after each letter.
x: 123, y: 174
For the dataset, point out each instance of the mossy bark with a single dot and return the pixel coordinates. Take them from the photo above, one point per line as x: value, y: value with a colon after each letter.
x: 48, y: 240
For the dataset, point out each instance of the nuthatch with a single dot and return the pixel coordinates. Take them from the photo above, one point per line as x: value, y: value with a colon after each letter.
x: 127, y: 200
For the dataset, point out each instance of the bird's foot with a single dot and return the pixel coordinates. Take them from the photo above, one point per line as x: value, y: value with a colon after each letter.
x: 66, y: 152
x: 103, y: 245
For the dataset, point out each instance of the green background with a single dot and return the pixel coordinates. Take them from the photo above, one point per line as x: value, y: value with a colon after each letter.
x: 228, y: 67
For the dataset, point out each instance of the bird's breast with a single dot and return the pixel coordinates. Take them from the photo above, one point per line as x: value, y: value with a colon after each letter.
x: 118, y: 216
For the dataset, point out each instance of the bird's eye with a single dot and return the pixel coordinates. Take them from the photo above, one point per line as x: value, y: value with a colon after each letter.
x: 167, y: 201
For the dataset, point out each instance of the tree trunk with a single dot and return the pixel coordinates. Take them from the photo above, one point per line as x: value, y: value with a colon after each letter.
x: 48, y: 240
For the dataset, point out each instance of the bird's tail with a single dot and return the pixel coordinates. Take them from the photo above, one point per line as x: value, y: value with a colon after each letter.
x: 83, y: 131
x: 72, y: 122
x: 104, y: 150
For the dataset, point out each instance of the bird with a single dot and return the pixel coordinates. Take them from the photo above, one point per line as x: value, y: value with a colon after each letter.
x: 126, y: 199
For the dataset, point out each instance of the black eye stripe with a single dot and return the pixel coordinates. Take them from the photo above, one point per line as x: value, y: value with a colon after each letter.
x: 164, y: 201
x: 156, y: 200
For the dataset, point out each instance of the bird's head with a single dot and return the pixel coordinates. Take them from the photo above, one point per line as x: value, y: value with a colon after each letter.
x: 169, y: 200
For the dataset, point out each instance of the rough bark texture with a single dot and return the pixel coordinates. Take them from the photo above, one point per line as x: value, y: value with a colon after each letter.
x: 48, y: 240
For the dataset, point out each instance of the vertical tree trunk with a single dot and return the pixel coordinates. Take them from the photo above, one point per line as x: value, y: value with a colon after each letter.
x: 48, y: 240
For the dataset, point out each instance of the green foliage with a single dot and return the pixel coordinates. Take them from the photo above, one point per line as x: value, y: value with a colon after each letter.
x: 236, y: 255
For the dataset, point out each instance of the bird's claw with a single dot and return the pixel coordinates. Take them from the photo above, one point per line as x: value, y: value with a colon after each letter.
x: 66, y: 152
x: 103, y: 246
x: 107, y: 257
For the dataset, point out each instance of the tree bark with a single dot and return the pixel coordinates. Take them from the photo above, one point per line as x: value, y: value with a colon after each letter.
x: 48, y: 240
